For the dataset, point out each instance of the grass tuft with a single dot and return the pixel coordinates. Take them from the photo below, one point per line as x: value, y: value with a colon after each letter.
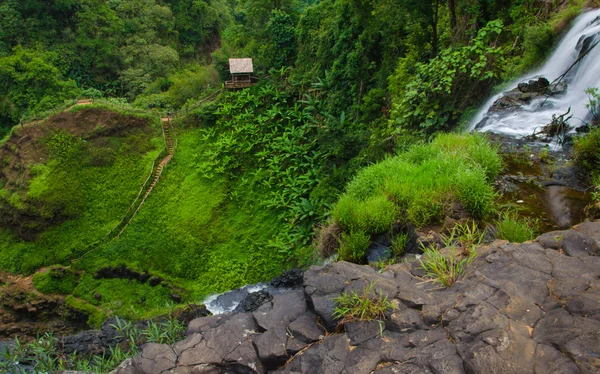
x: 516, y: 229
x: 354, y: 246
x: 422, y: 185
x: 445, y: 270
x: 365, y: 306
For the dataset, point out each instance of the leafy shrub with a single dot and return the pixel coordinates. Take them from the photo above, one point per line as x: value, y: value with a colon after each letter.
x: 429, y: 101
x: 538, y: 43
x: 594, y: 104
x: 515, y: 229
x: 354, y: 246
x: 587, y: 150
x: 366, y: 306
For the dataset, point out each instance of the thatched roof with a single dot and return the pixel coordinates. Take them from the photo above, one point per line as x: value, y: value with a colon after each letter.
x: 240, y: 65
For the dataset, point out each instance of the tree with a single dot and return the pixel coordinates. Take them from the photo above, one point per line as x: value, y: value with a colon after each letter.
x: 282, y: 39
x: 30, y: 82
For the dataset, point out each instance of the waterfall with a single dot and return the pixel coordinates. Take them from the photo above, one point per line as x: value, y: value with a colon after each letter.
x: 584, y: 32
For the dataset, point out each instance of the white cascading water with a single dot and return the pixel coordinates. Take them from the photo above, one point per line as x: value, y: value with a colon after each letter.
x: 539, y: 112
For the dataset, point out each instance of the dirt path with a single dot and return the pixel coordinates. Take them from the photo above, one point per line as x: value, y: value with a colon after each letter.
x: 81, y: 102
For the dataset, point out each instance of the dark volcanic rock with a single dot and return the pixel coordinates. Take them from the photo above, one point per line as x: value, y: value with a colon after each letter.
x: 253, y: 301
x: 520, y: 308
x: 525, y: 92
x: 288, y: 279
x: 284, y: 309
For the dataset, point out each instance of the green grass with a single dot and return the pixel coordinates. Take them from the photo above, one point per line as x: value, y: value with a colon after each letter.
x: 56, y: 280
x: 202, y: 236
x: 354, y: 246
x: 516, y: 229
x: 365, y: 306
x: 420, y: 185
x: 92, y: 194
x: 189, y: 233
x: 587, y: 150
x: 399, y: 244
x: 441, y: 269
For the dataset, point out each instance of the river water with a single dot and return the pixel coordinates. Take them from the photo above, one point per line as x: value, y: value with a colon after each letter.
x: 585, y: 74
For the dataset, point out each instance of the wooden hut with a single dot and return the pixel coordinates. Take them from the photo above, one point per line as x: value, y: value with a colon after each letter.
x: 241, y: 70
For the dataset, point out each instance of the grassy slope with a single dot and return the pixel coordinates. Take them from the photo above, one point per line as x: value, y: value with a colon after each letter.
x: 106, y: 192
x: 188, y: 232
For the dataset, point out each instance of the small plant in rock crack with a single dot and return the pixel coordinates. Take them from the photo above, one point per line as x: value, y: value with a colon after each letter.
x: 468, y: 235
x: 365, y: 306
x: 442, y: 269
x: 399, y: 243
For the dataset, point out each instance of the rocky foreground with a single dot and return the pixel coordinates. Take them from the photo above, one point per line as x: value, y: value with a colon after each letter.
x: 526, y: 308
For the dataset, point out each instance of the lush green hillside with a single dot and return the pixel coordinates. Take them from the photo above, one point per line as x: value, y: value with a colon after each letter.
x: 93, y: 163
x: 68, y: 180
x: 344, y: 85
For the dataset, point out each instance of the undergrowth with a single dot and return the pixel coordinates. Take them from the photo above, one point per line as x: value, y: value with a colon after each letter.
x: 44, y: 354
x: 422, y: 185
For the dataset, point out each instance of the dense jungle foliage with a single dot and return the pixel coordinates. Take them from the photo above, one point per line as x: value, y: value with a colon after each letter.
x: 344, y: 84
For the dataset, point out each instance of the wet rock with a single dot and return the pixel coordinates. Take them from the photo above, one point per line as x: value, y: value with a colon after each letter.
x: 572, y: 242
x: 271, y: 347
x: 557, y: 89
x: 288, y: 279
x: 525, y: 92
x: 201, y: 325
x: 155, y: 358
x: 377, y: 252
x: 406, y: 320
x: 327, y: 358
x: 534, y: 85
x: 253, y: 301
x: 323, y: 284
x: 93, y: 341
x: 176, y: 297
x: 422, y: 239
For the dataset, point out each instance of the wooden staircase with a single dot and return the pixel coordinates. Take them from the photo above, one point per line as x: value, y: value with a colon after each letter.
x: 168, y: 132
